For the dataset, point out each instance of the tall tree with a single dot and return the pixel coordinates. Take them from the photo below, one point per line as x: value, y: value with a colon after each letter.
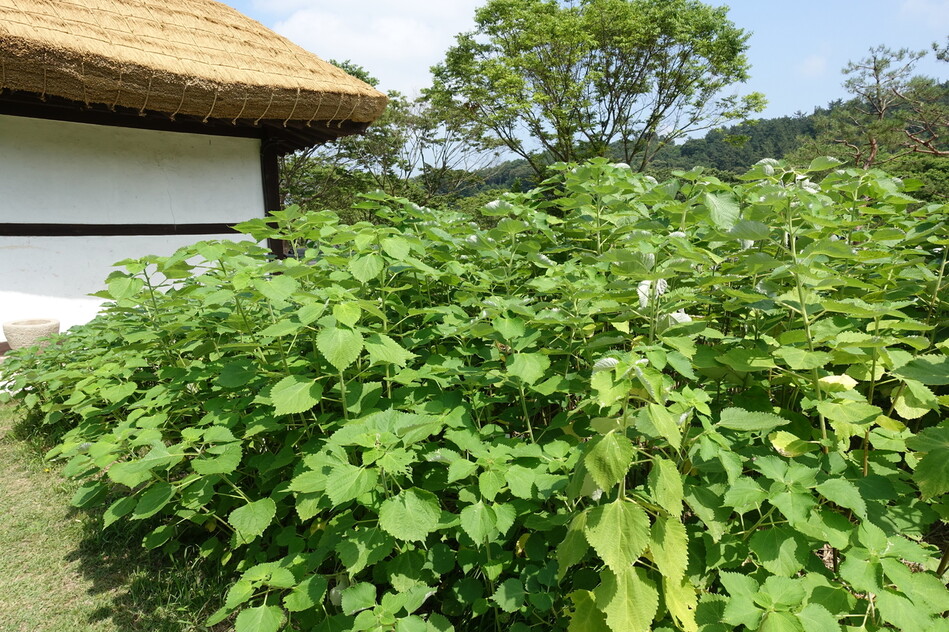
x: 558, y: 81
x: 891, y: 114
x: 415, y: 150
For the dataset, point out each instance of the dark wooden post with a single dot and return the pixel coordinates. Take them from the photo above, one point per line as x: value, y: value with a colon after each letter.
x: 270, y: 170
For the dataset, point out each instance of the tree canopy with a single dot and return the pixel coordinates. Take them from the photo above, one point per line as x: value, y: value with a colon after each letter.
x: 564, y: 82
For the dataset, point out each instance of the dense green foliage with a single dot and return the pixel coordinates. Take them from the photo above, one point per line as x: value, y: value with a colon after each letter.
x: 627, y: 406
x: 565, y: 82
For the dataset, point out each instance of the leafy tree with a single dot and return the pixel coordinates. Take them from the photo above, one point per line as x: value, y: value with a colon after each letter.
x: 942, y: 52
x: 415, y: 150
x: 563, y: 82
x: 891, y: 114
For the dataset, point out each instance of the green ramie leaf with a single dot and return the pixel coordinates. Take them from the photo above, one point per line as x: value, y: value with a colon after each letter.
x: 295, y: 394
x: 747, y: 421
x: 252, y: 519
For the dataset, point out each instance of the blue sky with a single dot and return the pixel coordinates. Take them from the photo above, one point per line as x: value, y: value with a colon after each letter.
x: 797, y: 49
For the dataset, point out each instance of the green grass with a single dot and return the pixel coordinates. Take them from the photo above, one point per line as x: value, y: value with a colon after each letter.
x: 60, y: 573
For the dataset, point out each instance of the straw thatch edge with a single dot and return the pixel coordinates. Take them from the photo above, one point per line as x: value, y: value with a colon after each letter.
x: 28, y: 67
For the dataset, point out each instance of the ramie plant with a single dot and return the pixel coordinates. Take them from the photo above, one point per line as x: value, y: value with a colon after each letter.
x: 627, y: 406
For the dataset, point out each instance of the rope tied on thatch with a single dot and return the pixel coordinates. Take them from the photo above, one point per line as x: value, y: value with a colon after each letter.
x: 189, y: 57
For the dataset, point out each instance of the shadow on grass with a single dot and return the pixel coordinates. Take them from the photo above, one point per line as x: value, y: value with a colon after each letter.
x: 148, y: 590
x: 145, y: 591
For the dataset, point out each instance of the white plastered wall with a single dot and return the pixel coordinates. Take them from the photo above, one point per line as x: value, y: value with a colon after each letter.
x: 75, y: 173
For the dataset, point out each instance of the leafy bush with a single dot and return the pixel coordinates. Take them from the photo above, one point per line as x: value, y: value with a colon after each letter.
x: 629, y: 405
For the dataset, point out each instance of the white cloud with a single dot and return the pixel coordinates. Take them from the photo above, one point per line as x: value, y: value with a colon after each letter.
x: 812, y: 66
x: 396, y: 42
x: 931, y: 14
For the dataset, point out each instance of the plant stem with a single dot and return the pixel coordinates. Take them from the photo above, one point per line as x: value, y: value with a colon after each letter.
x: 342, y: 395
x: 935, y: 297
x: 527, y: 417
x: 943, y: 564
x: 815, y: 378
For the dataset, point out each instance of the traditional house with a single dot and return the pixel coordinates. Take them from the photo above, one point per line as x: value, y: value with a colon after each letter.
x: 132, y: 127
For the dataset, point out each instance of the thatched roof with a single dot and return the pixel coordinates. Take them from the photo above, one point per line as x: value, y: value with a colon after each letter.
x: 196, y: 58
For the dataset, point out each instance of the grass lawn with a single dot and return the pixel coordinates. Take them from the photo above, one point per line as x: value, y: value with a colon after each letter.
x: 59, y: 574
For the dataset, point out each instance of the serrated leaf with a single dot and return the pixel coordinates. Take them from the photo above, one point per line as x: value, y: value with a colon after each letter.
x: 252, y: 519
x: 383, y: 349
x: 479, y: 522
x: 125, y: 287
x: 849, y: 412
x: 618, y: 532
x: 462, y: 468
x: 490, y: 483
x: 669, y: 547
x: 358, y: 597
x: 629, y: 599
x: 506, y: 515
x: 574, y: 546
x: 89, y: 493
x: 259, y: 619
x: 239, y: 593
x: 750, y: 230
x: 723, y: 209
x: 396, y: 247
x: 295, y: 394
x: 608, y: 458
x: 340, y: 347
x: 224, y: 461
x: 682, y: 602
x: 666, y: 424
x: 845, y: 494
x: 238, y: 373
x: 528, y: 367
x: 363, y: 548
x: 899, y: 611
x: 862, y: 575
x: 741, y: 608
x: 790, y: 445
x: 153, y: 500
x: 816, y: 618
x: 509, y: 595
x: 605, y: 364
x: 347, y: 482
x: 932, y: 473
x: 747, y: 421
x: 780, y: 550
x: 411, y: 515
x: 925, y: 590
x: 780, y: 622
x: 510, y: 328
x: 120, y: 508
x: 307, y: 594
x: 585, y: 616
x: 520, y: 480
x: 665, y: 483
x: 367, y: 267
x: 746, y: 360
x: 347, y: 313
x: 796, y: 506
x: 278, y: 289
x: 802, y: 359
x: 744, y: 495
x: 284, y: 327
x: 823, y: 163
x: 932, y: 370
